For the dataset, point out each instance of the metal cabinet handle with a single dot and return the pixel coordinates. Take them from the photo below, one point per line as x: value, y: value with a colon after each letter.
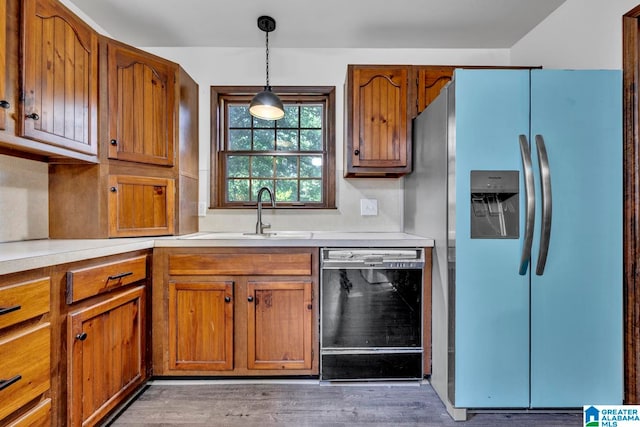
x: 7, y: 310
x: 6, y: 383
x: 33, y: 116
x: 529, y: 193
x: 120, y: 275
x: 356, y: 152
x: 227, y: 299
x: 546, y: 203
x: 82, y: 336
x: 113, y: 189
x: 250, y: 298
x: 113, y: 142
x: 5, y: 104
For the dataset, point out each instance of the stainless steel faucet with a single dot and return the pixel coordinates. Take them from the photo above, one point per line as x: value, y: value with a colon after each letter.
x: 260, y: 226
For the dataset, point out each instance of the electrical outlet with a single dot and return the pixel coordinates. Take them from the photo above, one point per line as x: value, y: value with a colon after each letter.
x: 368, y: 207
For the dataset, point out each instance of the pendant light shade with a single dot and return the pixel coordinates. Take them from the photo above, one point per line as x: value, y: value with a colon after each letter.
x: 266, y: 105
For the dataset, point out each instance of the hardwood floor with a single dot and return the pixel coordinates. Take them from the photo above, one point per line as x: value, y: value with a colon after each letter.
x: 208, y: 403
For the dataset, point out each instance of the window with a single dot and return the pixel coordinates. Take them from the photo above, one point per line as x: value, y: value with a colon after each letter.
x: 294, y: 157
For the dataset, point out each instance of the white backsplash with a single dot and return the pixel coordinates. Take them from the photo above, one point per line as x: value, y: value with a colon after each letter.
x: 24, y: 199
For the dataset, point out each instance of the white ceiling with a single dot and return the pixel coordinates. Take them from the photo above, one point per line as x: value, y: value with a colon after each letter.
x: 320, y: 23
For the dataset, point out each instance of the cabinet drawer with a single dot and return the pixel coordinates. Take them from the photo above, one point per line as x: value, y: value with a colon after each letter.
x: 24, y: 301
x: 40, y: 416
x: 254, y: 264
x: 87, y: 282
x: 24, y: 370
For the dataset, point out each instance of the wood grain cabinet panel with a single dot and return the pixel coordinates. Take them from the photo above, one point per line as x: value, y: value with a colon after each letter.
x: 141, y: 206
x: 39, y: 416
x: 430, y: 81
x: 279, y: 325
x: 25, y: 367
x: 105, y: 343
x: 201, y: 325
x: 90, y: 281
x: 235, y: 311
x: 23, y: 301
x: 60, y: 77
x: 142, y: 105
x: 378, y: 139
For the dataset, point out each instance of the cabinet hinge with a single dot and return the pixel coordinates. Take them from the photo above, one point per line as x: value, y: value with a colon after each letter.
x: 312, y: 355
x: 312, y: 295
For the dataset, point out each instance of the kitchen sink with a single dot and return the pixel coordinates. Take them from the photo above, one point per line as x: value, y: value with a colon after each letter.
x: 223, y: 235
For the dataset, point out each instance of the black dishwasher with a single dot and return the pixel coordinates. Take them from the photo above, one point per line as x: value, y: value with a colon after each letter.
x: 371, y: 314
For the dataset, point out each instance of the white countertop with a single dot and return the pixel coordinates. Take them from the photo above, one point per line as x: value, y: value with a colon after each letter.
x: 30, y: 254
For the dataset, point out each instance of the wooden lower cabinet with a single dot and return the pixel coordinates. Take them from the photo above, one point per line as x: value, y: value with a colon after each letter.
x: 25, y: 349
x: 106, y: 355
x: 235, y: 311
x: 201, y: 325
x: 279, y: 322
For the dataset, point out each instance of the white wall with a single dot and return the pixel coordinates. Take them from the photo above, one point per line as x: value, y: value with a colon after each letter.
x: 323, y: 67
x: 579, y: 34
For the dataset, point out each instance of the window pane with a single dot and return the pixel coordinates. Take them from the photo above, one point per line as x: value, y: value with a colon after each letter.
x: 259, y: 123
x: 287, y: 190
x: 287, y: 166
x: 310, y: 166
x: 262, y: 166
x: 239, y: 139
x: 256, y: 185
x: 239, y: 116
x: 287, y: 140
x: 290, y: 119
x: 238, y: 167
x: 311, y: 116
x: 263, y: 140
x: 237, y: 190
x: 311, y: 140
x: 311, y: 190
x: 289, y: 156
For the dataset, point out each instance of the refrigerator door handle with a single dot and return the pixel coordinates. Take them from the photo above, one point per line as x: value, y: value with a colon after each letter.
x: 529, y: 193
x: 546, y: 202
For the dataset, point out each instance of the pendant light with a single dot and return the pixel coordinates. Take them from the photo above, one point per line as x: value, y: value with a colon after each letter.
x: 266, y: 105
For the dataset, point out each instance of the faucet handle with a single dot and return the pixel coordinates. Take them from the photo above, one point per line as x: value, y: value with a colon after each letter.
x: 265, y: 225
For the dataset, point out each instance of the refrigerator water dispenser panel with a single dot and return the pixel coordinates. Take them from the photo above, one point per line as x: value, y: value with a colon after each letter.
x: 494, y: 204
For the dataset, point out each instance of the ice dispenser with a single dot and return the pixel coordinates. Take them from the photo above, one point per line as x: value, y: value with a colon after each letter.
x: 494, y: 204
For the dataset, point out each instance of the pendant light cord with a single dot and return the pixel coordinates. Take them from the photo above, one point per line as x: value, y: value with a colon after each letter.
x: 267, y: 51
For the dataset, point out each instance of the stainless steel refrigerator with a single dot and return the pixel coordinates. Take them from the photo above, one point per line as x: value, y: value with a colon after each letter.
x: 518, y: 178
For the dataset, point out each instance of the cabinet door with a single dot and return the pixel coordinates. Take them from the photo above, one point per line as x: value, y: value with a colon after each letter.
x: 106, y: 355
x: 201, y: 326
x: 431, y: 79
x: 140, y: 206
x: 3, y: 65
x: 279, y: 321
x: 60, y: 69
x: 141, y: 106
x: 378, y: 121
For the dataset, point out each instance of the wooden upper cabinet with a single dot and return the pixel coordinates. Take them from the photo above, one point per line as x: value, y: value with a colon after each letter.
x: 378, y: 138
x: 430, y: 81
x: 141, y: 206
x: 60, y: 68
x: 4, y: 103
x: 142, y: 105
